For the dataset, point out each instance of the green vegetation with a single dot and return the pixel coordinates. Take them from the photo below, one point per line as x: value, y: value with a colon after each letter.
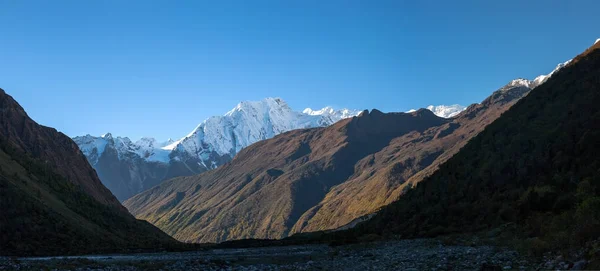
x: 538, y: 165
x: 44, y: 214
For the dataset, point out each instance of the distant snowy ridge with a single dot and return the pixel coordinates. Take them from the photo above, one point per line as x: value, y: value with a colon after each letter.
x: 127, y: 167
x: 543, y: 78
x: 446, y: 111
x: 521, y: 82
x: 443, y: 111
x: 330, y: 112
x: 449, y: 111
x: 247, y: 123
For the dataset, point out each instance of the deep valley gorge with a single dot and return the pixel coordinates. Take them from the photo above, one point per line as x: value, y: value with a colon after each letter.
x: 502, y: 173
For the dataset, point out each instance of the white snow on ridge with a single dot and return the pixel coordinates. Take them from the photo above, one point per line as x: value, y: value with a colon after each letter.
x: 252, y: 121
x: 443, y: 111
x: 543, y: 78
x: 247, y: 123
x: 146, y: 148
x: 446, y: 111
x: 332, y: 113
x: 87, y: 144
x: 520, y: 82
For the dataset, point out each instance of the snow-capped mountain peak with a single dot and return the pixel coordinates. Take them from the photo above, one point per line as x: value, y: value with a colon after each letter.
x: 218, y: 136
x: 323, y: 111
x: 443, y: 111
x: 329, y: 111
x: 249, y: 122
x: 446, y: 111
x: 254, y: 106
x: 520, y: 82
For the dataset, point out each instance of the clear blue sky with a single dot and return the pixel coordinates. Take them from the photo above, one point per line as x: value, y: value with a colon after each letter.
x: 158, y: 68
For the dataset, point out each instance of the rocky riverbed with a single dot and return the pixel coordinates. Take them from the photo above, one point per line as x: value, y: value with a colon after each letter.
x: 420, y: 254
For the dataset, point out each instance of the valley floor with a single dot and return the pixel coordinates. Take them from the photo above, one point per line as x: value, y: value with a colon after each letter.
x: 419, y: 254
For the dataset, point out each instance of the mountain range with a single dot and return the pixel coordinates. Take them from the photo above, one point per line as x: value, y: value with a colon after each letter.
x: 522, y: 165
x: 320, y: 178
x: 127, y: 167
x: 51, y: 199
x: 534, y: 172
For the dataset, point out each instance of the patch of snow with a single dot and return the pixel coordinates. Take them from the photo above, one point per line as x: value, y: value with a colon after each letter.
x: 543, y: 78
x: 446, y: 111
x: 520, y: 82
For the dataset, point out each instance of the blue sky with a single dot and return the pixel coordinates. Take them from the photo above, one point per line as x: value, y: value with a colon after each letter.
x: 158, y: 68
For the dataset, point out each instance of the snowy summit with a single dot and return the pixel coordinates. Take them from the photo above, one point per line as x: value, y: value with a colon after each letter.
x: 247, y: 123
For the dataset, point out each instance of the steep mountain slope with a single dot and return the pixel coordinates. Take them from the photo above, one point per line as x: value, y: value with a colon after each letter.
x: 51, y: 200
x: 219, y: 138
x: 382, y: 177
x: 536, y: 165
x: 51, y: 147
x: 316, y: 179
x: 319, y: 179
x: 265, y: 189
x: 128, y: 167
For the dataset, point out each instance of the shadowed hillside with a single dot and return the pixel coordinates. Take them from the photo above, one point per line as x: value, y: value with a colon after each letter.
x: 536, y: 165
x: 52, y: 202
x: 315, y: 179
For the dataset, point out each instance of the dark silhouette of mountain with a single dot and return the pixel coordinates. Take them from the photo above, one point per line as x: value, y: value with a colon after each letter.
x: 536, y: 166
x: 51, y: 200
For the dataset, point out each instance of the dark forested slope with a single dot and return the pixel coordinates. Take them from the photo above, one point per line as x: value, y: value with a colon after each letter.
x: 537, y: 165
x: 52, y: 202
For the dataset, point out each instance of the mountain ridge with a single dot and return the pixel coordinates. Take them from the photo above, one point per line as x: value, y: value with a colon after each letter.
x: 131, y: 167
x: 52, y: 202
x: 309, y: 179
x: 18, y: 128
x: 316, y: 179
x: 535, y: 168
